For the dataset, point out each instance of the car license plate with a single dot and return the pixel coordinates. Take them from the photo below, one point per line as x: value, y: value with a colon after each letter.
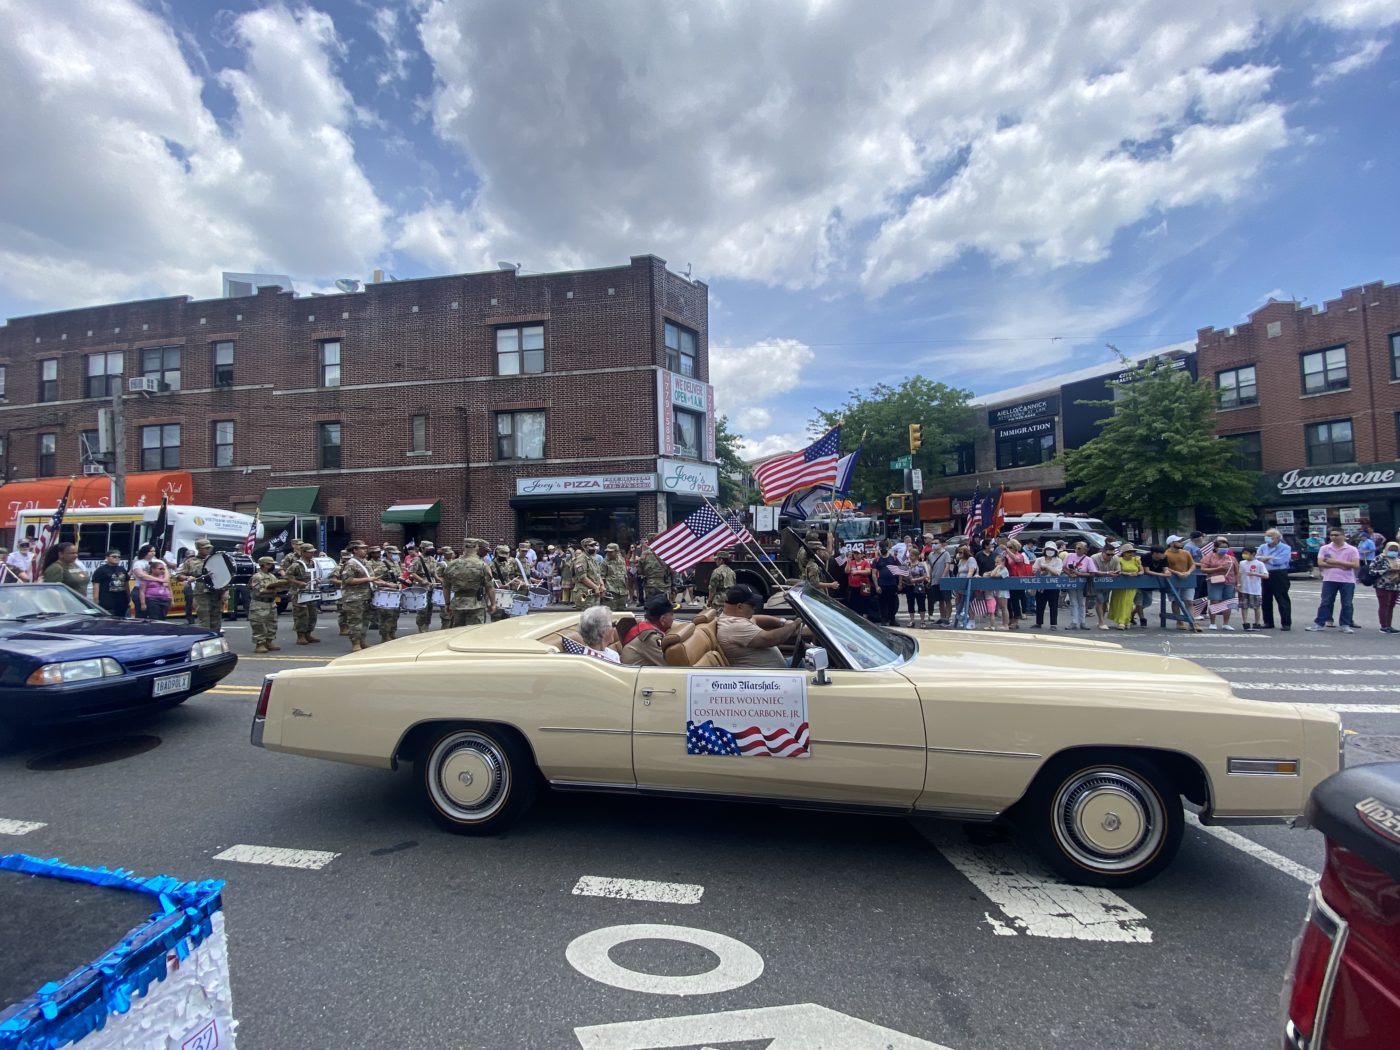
x: 171, y: 683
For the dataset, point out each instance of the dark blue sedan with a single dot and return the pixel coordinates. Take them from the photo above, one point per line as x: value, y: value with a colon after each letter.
x: 64, y: 659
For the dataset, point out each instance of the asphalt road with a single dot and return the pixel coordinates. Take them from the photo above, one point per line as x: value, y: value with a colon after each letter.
x: 411, y: 937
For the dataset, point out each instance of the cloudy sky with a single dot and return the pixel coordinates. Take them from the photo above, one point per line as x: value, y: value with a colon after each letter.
x: 982, y: 193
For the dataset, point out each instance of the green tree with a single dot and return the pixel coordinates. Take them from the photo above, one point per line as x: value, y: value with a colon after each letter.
x: 731, y: 464
x: 883, y: 414
x: 1158, y: 454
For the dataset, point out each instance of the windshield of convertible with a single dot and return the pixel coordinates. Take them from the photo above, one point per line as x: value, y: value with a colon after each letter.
x: 861, y: 643
x: 29, y: 602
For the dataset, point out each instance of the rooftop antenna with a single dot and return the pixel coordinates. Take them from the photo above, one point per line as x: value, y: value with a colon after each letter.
x: 345, y: 284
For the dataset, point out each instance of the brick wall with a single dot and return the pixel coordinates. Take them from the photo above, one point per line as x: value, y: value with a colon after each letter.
x: 422, y: 347
x: 1273, y: 340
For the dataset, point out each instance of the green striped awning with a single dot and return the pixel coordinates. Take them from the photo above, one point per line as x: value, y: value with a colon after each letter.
x: 293, y: 499
x: 418, y: 512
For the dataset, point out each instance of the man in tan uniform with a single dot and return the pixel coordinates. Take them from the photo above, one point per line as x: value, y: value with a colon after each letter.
x: 721, y: 579
x: 467, y: 582
x: 614, y: 578
x: 588, y: 576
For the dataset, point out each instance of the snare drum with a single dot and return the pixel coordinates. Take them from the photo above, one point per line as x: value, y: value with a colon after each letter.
x: 219, y: 568
x: 438, y: 599
x: 520, y: 605
x: 385, y: 599
x: 415, y: 599
x: 306, y: 597
x: 539, y: 597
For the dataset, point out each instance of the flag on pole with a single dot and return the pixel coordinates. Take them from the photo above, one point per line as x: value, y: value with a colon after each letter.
x: 814, y: 465
x: 158, y: 527
x: 693, y: 539
x: 252, y: 536
x: 734, y: 519
x: 48, y: 537
x: 998, y: 515
x: 974, y: 515
x: 799, y: 506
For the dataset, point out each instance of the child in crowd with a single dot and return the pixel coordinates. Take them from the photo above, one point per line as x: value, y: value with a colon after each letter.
x: 1253, y: 573
x: 999, y: 599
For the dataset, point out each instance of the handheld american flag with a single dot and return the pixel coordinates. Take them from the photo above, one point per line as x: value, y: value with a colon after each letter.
x: 252, y: 536
x: 814, y: 465
x: 49, y: 536
x: 694, y: 538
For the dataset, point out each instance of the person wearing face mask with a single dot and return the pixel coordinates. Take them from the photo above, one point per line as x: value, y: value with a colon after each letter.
x: 1386, y: 569
x: 940, y: 562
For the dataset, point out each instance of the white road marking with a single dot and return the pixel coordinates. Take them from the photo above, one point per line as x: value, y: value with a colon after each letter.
x: 1316, y: 672
x: 1037, y: 902
x: 1316, y: 687
x: 800, y: 1026
x: 19, y: 827
x: 1275, y: 656
x: 1363, y: 709
x: 738, y: 963
x: 998, y: 927
x: 1275, y: 860
x: 639, y: 890
x: 277, y: 857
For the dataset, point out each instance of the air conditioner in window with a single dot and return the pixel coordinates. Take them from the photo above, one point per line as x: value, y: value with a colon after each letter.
x: 94, y: 468
x: 143, y: 385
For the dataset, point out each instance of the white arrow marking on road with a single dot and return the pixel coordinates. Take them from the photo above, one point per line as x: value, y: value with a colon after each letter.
x: 802, y: 1026
x: 1268, y: 856
x: 19, y: 827
x: 277, y: 857
x: 1039, y: 904
x: 639, y: 890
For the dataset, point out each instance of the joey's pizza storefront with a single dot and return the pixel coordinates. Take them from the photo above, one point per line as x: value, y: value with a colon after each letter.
x: 567, y: 509
x: 1309, y: 500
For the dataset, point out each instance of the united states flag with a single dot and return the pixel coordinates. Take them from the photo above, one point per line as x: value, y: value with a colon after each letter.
x: 814, y: 465
x: 1016, y: 530
x: 974, y: 519
x: 574, y: 648
x: 693, y: 539
x: 734, y: 519
x: 709, y: 739
x: 252, y: 537
x: 49, y: 536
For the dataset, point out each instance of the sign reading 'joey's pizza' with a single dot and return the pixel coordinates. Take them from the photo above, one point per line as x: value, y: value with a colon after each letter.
x: 1049, y: 405
x: 1302, y: 481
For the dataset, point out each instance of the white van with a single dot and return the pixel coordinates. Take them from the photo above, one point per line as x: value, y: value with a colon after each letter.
x: 1061, y: 528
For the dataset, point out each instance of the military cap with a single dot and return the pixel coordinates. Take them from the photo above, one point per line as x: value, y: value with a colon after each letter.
x: 725, y: 554
x: 203, y: 541
x: 390, y: 547
x: 613, y: 547
x: 306, y: 546
x: 589, y: 542
x: 355, y: 545
x: 426, y: 545
x: 345, y: 552
x: 471, y: 543
x: 448, y: 550
x: 501, y: 548
x: 267, y: 559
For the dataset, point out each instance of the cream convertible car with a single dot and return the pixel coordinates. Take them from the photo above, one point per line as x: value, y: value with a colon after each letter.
x: 1091, y: 746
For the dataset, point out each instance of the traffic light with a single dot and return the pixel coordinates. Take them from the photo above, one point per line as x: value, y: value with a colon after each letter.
x: 898, y: 503
x: 916, y: 437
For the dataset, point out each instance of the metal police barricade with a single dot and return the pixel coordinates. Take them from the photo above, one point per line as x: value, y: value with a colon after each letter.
x: 1171, y: 589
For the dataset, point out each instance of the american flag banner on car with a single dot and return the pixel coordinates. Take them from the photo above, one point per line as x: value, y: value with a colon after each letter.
x: 694, y: 538
x: 708, y: 739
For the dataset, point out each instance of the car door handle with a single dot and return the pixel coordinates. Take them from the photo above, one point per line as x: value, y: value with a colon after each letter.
x: 649, y: 691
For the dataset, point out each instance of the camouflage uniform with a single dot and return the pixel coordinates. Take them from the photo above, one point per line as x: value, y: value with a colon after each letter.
x: 208, y: 603
x: 424, y: 572
x: 445, y: 609
x: 614, y: 571
x: 586, y: 571
x: 466, y: 581
x: 656, y: 578
x: 303, y: 578
x: 721, y: 580
x: 389, y: 574
x: 354, y: 598
x: 336, y: 577
x: 503, y: 576
x: 262, y: 607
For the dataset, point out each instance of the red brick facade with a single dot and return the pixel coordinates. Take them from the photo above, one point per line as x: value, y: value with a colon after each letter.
x: 408, y: 348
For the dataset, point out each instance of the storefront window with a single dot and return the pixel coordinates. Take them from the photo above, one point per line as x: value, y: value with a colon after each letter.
x: 605, y: 523
x: 1025, y: 450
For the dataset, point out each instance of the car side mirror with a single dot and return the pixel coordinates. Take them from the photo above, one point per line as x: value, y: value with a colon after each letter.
x: 815, y: 659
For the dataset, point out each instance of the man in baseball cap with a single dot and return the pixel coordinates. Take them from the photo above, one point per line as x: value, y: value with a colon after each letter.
x: 749, y: 640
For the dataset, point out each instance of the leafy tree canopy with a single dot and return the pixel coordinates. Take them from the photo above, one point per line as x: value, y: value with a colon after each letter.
x: 731, y: 464
x: 882, y: 415
x: 1158, y: 454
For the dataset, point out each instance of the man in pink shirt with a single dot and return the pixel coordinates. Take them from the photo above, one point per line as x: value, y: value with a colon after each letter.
x: 1338, y: 561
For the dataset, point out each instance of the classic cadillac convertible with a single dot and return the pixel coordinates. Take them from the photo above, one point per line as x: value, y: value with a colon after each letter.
x: 1090, y: 746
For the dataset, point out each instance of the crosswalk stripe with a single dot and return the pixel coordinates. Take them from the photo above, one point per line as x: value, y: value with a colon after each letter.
x: 1275, y: 860
x: 278, y: 857
x: 19, y: 827
x: 639, y: 890
x: 1036, y: 902
x: 1315, y: 687
x: 1276, y: 656
x: 1317, y: 672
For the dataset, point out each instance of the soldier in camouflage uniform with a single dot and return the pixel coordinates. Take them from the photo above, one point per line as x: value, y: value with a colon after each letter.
x: 467, y: 583
x: 445, y: 609
x: 506, y: 578
x: 721, y: 579
x: 655, y: 577
x: 614, y: 572
x: 388, y: 577
x: 263, y: 588
x: 208, y: 602
x: 301, y: 574
x: 588, y: 576
x: 422, y: 572
x: 354, y: 594
x: 336, y: 577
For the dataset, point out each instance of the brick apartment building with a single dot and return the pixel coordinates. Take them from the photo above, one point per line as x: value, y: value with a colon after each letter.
x: 1312, y: 398
x: 509, y: 405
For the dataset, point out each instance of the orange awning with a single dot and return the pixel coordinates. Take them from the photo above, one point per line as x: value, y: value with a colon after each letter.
x: 142, y: 490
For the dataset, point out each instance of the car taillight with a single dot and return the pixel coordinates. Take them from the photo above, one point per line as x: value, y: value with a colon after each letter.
x: 264, y: 697
x: 1319, y: 951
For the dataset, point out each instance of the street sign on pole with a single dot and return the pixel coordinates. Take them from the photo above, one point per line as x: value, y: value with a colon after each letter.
x: 918, y: 478
x: 901, y: 462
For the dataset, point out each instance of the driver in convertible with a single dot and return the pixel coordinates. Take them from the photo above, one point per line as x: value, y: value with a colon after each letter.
x: 752, y: 641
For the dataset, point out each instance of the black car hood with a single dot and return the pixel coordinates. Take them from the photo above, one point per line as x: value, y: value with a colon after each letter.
x: 82, y: 637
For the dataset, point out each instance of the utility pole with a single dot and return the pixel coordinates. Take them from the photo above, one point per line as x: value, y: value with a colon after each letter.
x: 118, y: 449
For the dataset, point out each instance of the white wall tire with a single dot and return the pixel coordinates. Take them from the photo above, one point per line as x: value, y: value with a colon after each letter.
x: 477, y: 781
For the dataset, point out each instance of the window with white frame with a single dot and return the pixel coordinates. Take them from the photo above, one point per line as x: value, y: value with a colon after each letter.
x: 223, y: 443
x: 520, y: 435
x: 520, y: 350
x: 1325, y: 370
x: 680, y: 349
